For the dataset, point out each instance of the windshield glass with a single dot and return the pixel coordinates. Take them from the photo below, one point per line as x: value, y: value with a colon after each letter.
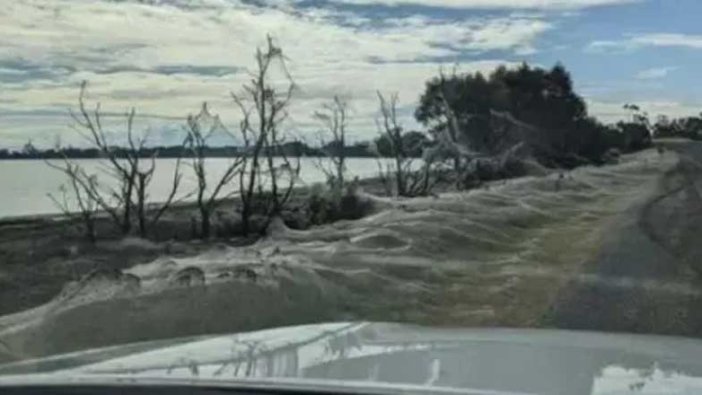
x: 173, y: 169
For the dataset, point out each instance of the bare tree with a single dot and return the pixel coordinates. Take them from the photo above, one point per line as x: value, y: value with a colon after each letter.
x: 142, y: 180
x: 200, y: 128
x: 332, y: 141
x: 385, y: 175
x: 148, y: 215
x: 263, y: 105
x: 282, y: 177
x: 123, y: 165
x: 406, y: 180
x: 81, y: 189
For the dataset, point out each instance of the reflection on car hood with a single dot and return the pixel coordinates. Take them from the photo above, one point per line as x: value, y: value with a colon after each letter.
x: 375, y: 356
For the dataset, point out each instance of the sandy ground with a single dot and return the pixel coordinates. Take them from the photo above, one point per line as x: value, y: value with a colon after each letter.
x: 508, y: 254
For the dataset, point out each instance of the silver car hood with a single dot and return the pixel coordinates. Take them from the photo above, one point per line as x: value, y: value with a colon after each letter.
x: 390, y: 358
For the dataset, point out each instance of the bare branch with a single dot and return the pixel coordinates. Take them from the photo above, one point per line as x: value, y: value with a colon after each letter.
x: 332, y: 118
x: 259, y: 183
x: 407, y: 181
x: 196, y: 142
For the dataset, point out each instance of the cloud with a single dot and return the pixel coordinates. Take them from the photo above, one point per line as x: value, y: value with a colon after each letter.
x: 167, y: 57
x: 169, y: 100
x: 654, y: 73
x: 17, y: 70
x: 632, y: 42
x: 90, y: 35
x: 670, y: 40
x: 496, y: 4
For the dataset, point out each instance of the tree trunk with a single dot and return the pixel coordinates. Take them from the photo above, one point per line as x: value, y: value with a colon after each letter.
x: 140, y: 208
x: 246, y: 202
x: 127, y: 215
x: 142, y: 224
x: 245, y: 214
x: 340, y: 170
x: 89, y: 224
x: 204, y: 224
x: 399, y: 179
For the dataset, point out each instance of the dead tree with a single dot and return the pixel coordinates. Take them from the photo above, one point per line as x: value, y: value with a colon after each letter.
x: 332, y: 142
x: 263, y: 108
x: 281, y: 177
x: 199, y: 129
x: 148, y: 215
x: 129, y: 198
x: 123, y: 164
x: 81, y: 186
x: 143, y: 179
x: 407, y: 181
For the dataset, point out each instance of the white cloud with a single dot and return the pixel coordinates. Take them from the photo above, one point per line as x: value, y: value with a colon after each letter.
x: 166, y: 59
x: 175, y: 98
x: 128, y: 34
x: 609, y: 46
x: 670, y: 40
x: 654, y: 73
x: 497, y: 4
x: 647, y: 40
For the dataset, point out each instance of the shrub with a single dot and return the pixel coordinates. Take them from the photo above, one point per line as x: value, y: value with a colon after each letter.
x: 612, y: 156
x: 325, y: 205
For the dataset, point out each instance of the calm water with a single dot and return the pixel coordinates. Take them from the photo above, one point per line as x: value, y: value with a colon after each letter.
x: 25, y: 184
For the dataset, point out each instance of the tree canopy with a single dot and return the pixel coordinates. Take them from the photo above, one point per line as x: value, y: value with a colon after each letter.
x: 561, y: 131
x: 686, y: 127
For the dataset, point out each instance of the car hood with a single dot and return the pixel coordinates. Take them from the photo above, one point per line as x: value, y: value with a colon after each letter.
x: 379, y: 358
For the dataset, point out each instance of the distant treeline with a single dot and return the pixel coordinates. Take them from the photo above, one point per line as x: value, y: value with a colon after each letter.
x: 687, y: 127
x: 356, y: 150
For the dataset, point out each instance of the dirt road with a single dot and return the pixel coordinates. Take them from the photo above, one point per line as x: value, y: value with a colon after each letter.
x: 643, y: 280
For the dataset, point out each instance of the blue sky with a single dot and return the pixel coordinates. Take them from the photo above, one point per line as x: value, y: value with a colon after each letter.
x: 166, y: 57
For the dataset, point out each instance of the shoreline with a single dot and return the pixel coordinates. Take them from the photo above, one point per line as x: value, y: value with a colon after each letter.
x: 26, y: 193
x: 372, y: 183
x: 40, y: 254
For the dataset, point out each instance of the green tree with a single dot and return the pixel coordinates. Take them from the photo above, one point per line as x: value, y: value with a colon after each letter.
x: 686, y: 127
x: 636, y: 133
x: 543, y: 99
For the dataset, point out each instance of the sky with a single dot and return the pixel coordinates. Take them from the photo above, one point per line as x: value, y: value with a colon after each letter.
x: 167, y: 57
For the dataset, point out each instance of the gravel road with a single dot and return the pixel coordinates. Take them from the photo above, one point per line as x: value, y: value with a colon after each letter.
x: 643, y: 279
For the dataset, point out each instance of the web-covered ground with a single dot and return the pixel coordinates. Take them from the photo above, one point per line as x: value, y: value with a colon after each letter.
x: 497, y: 256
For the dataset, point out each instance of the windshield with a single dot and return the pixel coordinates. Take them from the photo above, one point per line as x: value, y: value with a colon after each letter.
x: 181, y: 168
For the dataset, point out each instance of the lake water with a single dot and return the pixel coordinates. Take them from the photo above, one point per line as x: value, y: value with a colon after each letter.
x: 25, y: 184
